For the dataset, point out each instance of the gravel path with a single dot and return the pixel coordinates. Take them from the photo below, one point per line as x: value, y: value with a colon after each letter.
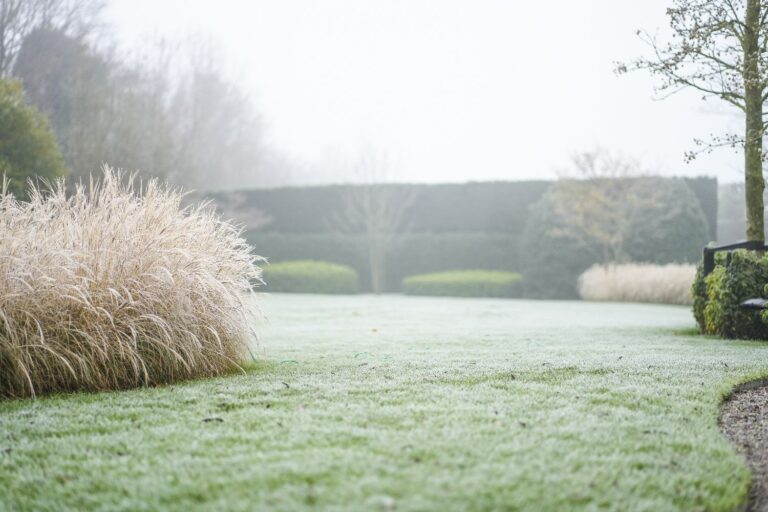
x: 744, y: 420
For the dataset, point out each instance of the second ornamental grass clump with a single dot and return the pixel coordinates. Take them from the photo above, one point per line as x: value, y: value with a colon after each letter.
x: 117, y: 286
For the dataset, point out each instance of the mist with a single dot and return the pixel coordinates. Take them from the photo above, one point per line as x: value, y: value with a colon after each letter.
x: 383, y: 255
x: 451, y: 91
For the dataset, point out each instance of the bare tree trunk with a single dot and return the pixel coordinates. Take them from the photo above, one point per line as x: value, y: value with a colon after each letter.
x: 376, y: 259
x: 753, y: 143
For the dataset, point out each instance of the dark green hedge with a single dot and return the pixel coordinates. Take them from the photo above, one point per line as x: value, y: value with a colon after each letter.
x: 310, y: 277
x: 486, y: 207
x: 674, y: 231
x: 465, y: 283
x: 551, y: 265
x: 706, y: 191
x: 500, y: 207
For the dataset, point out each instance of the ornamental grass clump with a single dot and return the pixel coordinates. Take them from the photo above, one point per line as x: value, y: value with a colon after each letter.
x: 116, y: 286
x: 638, y: 282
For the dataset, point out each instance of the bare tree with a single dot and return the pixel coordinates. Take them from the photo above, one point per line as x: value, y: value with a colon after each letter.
x: 20, y: 17
x: 378, y: 211
x: 719, y: 48
x: 595, y: 201
x: 218, y: 129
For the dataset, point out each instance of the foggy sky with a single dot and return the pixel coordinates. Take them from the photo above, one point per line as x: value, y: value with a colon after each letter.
x: 451, y: 90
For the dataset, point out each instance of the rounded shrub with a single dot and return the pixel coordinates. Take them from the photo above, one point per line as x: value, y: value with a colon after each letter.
x: 726, y: 287
x: 109, y: 288
x: 671, y: 228
x: 551, y: 259
x: 699, y: 290
x: 465, y: 283
x: 308, y: 276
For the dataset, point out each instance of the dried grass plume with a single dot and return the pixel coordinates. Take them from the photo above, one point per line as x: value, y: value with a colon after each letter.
x: 638, y: 282
x: 115, y: 285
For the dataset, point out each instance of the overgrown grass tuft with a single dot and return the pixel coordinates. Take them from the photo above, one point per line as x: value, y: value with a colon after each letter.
x: 464, y: 283
x: 114, y: 287
x: 638, y: 282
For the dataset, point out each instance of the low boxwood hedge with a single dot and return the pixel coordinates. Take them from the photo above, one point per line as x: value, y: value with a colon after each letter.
x: 307, y: 276
x: 465, y: 283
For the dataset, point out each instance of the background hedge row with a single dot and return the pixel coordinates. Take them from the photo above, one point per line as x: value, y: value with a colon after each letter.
x: 492, y: 226
x: 487, y: 207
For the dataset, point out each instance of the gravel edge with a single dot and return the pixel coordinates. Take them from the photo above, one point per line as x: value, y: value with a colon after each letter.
x: 744, y: 420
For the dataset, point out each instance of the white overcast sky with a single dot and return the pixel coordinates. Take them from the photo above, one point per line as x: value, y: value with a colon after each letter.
x: 451, y: 90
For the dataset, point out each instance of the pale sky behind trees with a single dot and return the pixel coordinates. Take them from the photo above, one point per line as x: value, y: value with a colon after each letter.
x: 451, y: 90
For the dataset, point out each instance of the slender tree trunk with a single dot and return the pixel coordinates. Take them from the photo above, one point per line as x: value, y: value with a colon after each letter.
x: 753, y: 142
x: 375, y: 262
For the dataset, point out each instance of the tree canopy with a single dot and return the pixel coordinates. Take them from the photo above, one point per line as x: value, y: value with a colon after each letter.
x: 719, y: 48
x: 27, y: 145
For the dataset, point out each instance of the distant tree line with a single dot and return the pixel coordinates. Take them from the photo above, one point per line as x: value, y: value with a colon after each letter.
x: 167, y: 110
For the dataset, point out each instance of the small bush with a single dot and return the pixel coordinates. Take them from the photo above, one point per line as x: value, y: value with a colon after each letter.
x: 108, y: 288
x: 465, y: 283
x: 726, y: 288
x: 307, y: 276
x: 699, y: 290
x: 699, y: 293
x: 638, y: 282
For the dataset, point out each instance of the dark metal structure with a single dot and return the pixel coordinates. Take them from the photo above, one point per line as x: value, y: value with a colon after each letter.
x: 709, y: 252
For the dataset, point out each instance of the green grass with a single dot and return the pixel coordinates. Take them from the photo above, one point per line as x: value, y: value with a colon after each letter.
x: 365, y: 403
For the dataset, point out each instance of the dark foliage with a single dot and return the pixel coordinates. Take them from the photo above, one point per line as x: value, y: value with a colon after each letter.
x: 28, y: 147
x: 726, y: 288
x: 551, y: 264
x: 500, y: 207
x: 672, y: 229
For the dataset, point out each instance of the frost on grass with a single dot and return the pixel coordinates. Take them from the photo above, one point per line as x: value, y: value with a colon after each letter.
x: 116, y: 285
x: 639, y: 282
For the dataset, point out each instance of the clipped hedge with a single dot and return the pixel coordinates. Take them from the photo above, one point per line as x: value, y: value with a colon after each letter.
x: 308, y: 276
x: 717, y: 297
x: 485, y: 207
x: 488, y: 207
x: 465, y: 283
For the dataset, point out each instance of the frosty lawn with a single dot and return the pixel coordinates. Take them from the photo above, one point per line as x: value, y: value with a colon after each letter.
x: 369, y: 403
